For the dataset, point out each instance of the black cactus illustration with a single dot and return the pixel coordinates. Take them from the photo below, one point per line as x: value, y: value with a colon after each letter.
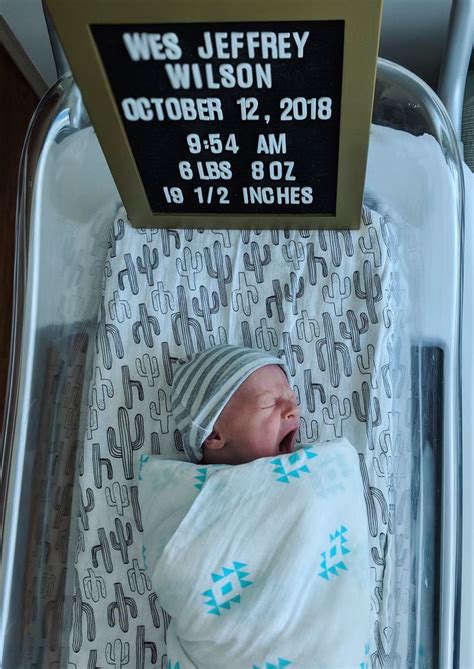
x: 372, y: 246
x: 155, y: 616
x: 128, y: 386
x: 92, y: 422
x: 166, y: 620
x: 366, y: 216
x: 94, y: 586
x: 142, y: 646
x: 292, y: 352
x: 189, y: 266
x: 335, y: 246
x: 104, y: 548
x: 147, y: 367
x: 307, y: 328
x: 188, y: 325
x: 312, y: 262
x: 161, y: 411
x: 243, y: 295
x: 161, y: 299
x: 148, y: 325
x: 275, y: 236
x: 53, y: 614
x: 148, y: 263
x: 310, y: 388
x: 221, y: 337
x: 117, y: 655
x: 106, y: 274
x: 216, y: 269
x: 86, y: 508
x: 168, y: 362
x: 119, y: 310
x: 104, y: 332
x: 368, y: 368
x: 277, y: 300
x: 178, y: 441
x: 80, y: 546
x: 389, y: 236
x: 333, y: 349
x: 121, y: 539
x: 116, y: 233
x: 293, y: 253
x: 92, y: 661
x: 386, y: 655
x: 394, y: 372
x: 367, y: 411
x: 353, y: 331
x: 257, y: 263
x: 80, y: 609
x: 155, y: 444
x: 205, y: 310
x: 308, y: 433
x: 333, y: 415
x: 117, y: 497
x: 148, y: 233
x: 372, y: 494
x: 373, y: 289
x: 166, y: 235
x: 99, y: 388
x: 129, y: 271
x: 379, y: 554
x: 225, y: 236
x: 391, y: 443
x: 336, y: 294
x: 246, y: 334
x: 138, y: 579
x: 122, y: 605
x: 245, y: 235
x: 97, y: 464
x: 137, y: 514
x: 127, y: 444
x: 294, y: 290
x: 265, y: 337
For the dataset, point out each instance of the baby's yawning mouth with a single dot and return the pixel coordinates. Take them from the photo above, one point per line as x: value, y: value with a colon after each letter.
x: 287, y: 444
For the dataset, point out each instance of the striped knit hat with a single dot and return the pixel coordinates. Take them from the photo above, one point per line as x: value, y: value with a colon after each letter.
x: 204, y: 384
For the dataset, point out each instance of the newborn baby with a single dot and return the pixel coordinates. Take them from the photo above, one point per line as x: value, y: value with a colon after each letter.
x: 261, y: 562
x: 234, y: 405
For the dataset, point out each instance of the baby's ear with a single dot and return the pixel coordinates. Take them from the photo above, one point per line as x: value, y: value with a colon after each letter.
x: 214, y: 441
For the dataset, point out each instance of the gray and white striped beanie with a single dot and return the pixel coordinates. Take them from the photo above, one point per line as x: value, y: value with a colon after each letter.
x: 204, y: 384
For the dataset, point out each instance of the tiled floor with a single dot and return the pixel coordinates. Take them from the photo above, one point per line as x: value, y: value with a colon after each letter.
x: 17, y: 104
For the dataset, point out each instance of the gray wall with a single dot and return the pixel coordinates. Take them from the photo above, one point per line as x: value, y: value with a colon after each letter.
x: 413, y: 34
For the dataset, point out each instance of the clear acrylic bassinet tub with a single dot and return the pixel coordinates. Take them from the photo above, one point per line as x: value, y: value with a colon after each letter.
x: 67, y: 224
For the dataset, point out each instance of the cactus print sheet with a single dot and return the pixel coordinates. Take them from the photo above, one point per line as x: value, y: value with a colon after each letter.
x: 332, y: 305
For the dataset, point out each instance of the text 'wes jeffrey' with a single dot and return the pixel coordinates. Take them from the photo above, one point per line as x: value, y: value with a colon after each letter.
x: 250, y: 45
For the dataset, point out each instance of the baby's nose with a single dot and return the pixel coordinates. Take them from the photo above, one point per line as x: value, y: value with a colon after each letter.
x: 291, y: 409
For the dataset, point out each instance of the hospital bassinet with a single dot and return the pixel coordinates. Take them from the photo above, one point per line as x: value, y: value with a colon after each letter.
x: 74, y: 587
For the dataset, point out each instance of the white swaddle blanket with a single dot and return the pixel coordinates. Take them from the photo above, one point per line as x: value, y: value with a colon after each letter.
x: 261, y: 565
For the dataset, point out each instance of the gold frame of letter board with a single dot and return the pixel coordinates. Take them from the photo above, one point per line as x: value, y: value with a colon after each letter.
x: 72, y: 19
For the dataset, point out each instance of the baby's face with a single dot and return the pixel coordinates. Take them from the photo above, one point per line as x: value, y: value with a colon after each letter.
x: 261, y: 419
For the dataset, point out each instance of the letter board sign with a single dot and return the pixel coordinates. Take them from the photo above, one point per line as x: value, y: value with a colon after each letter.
x: 229, y: 115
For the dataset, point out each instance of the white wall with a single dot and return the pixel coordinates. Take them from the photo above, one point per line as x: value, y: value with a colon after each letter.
x: 413, y: 34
